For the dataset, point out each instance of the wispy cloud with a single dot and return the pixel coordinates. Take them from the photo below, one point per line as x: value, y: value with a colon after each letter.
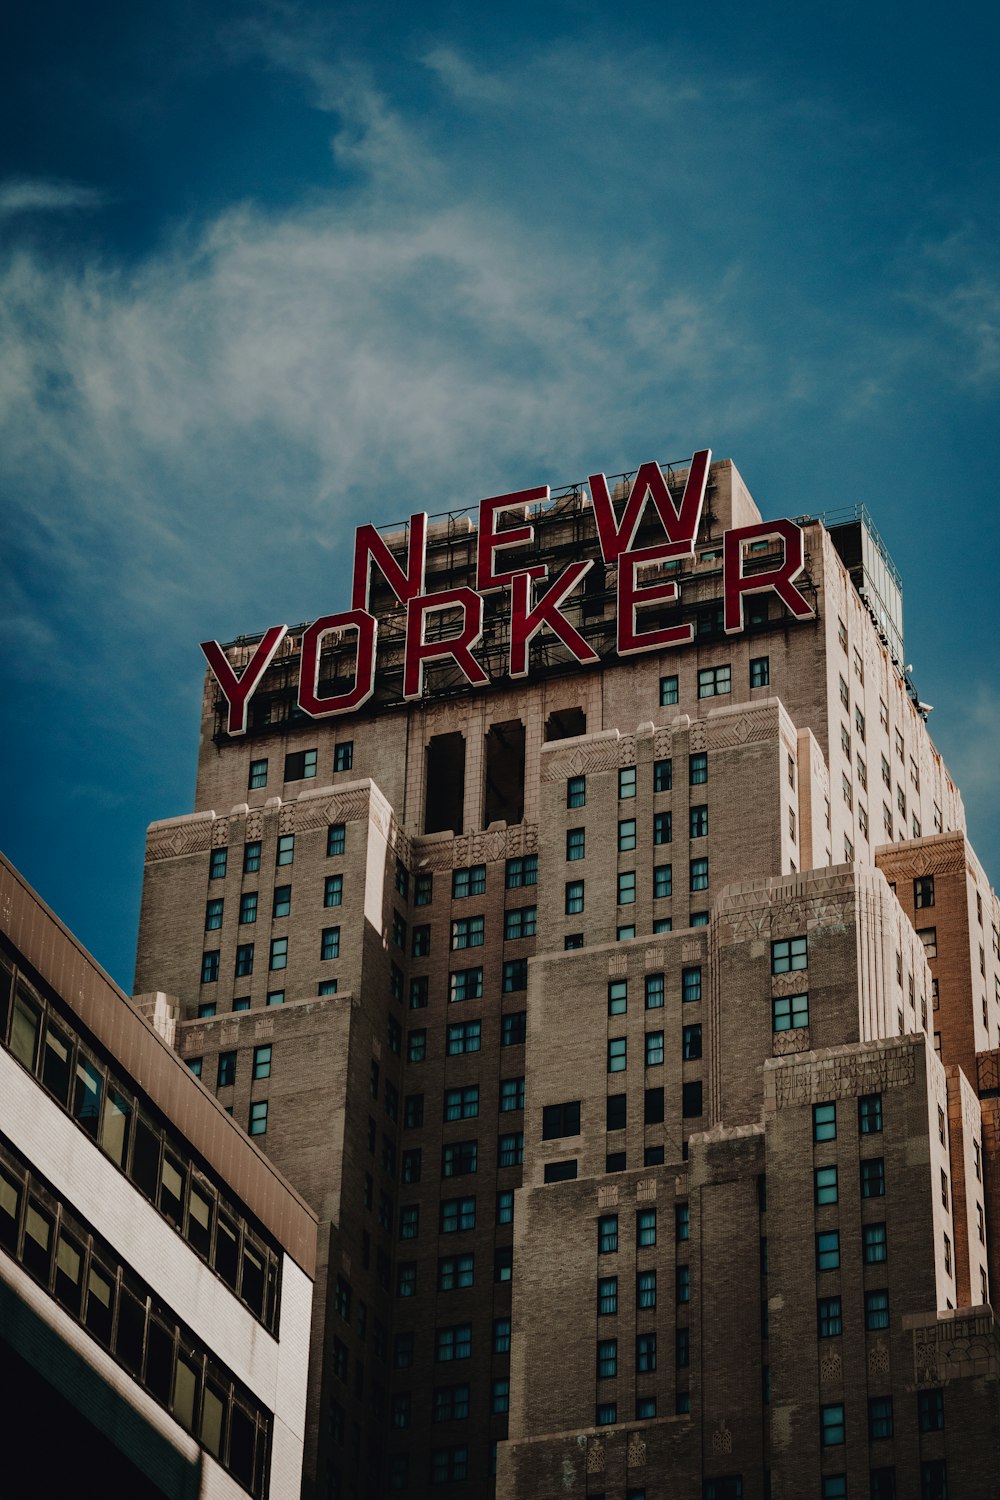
x: 45, y: 195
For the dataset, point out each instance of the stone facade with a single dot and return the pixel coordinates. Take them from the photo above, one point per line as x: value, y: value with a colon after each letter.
x: 611, y: 945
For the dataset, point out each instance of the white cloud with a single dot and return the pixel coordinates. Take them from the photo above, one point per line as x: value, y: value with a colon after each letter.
x: 33, y: 195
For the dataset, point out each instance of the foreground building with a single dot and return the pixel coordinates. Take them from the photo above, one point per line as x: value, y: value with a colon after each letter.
x: 618, y: 987
x: 155, y: 1272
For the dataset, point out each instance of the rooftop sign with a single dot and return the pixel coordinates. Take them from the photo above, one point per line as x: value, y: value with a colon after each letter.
x: 536, y: 602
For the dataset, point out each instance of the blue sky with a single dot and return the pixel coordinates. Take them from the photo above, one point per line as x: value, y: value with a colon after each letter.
x: 268, y: 271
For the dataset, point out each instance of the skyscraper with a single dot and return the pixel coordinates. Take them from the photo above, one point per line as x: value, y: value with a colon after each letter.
x: 600, y: 954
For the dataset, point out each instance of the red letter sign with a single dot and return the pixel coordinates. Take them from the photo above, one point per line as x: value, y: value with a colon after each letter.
x: 364, y: 672
x: 369, y: 548
x: 526, y: 621
x: 781, y: 579
x: 239, y: 690
x: 491, y: 540
x: 458, y: 647
x: 631, y: 597
x: 680, y: 525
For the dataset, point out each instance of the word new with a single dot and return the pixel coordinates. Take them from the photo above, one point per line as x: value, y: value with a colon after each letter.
x: 536, y: 603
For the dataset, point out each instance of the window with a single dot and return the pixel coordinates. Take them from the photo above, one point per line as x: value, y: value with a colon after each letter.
x: 654, y: 991
x: 617, y: 1054
x: 343, y: 756
x: 831, y: 1426
x: 788, y: 954
x: 465, y: 1037
x: 251, y: 857
x: 521, y: 871
x: 448, y: 1465
x: 225, y: 1070
x: 574, y: 897
x: 423, y: 888
x: 699, y: 822
x: 243, y: 1003
x: 409, y: 1222
x: 668, y: 691
x: 607, y: 1296
x: 934, y: 1479
x: 457, y: 1215
x: 828, y: 1250
x: 691, y: 984
x: 515, y: 975
x: 511, y: 1094
x: 879, y: 1417
x: 194, y: 1063
x: 333, y: 893
x: 607, y: 1359
x: 419, y: 992
x: 625, y: 931
x: 576, y: 791
x: 576, y: 843
x: 825, y: 1185
x: 626, y: 835
x: 258, y: 1117
x: 874, y: 1245
x: 698, y: 769
x: 663, y: 827
x: 829, y: 1321
x: 923, y: 891
x: 824, y: 1122
x: 510, y: 1149
x: 691, y: 1043
x: 789, y: 1011
x: 607, y: 1234
x: 505, y: 1206
x: 645, y: 1353
x: 877, y: 1310
x: 870, y: 1114
x: 210, y: 966
x: 513, y: 1029
x: 682, y: 1348
x: 616, y: 1112
x: 873, y: 1177
x: 519, y: 922
x: 335, y: 839
x: 465, y: 984
x: 258, y: 775
x: 663, y: 775
x: 416, y: 1046
x: 930, y: 1410
x: 468, y: 882
x: 699, y: 874
x: 626, y: 782
x: 467, y: 932
x: 205, y: 1010
x: 399, y: 930
x: 653, y: 1107
x: 691, y: 1103
x: 714, y: 681
x: 286, y: 849
x: 300, y: 765
x: 459, y: 1158
x: 330, y: 943
x: 262, y: 1062
x: 654, y: 1049
x: 462, y: 1103
x: 453, y: 1343
x: 663, y: 880
x: 760, y: 671
x: 217, y: 864
x: 606, y: 1414
x: 626, y: 888
x: 213, y: 914
x: 617, y: 997
x: 560, y: 1120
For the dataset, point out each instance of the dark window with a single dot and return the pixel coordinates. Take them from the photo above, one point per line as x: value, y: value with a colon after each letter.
x: 343, y: 756
x: 560, y: 1120
x: 691, y: 1100
x: 930, y: 1410
x: 300, y: 765
x: 616, y: 1112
